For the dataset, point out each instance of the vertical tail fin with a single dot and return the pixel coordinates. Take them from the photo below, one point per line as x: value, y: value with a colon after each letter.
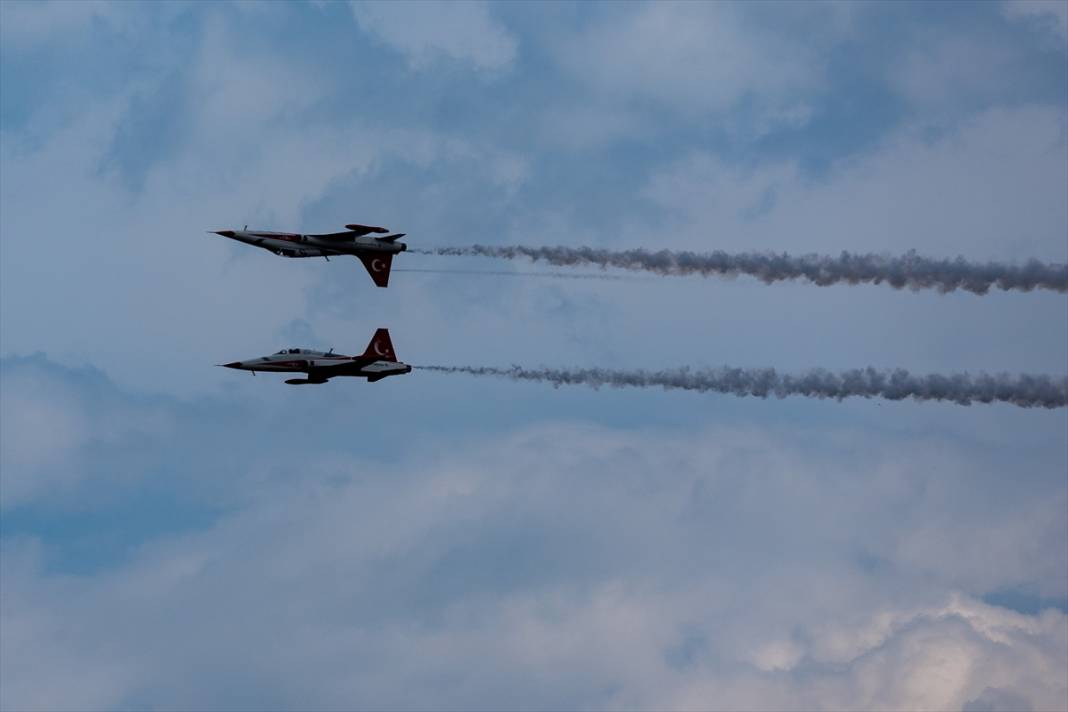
x: 378, y: 267
x: 381, y: 347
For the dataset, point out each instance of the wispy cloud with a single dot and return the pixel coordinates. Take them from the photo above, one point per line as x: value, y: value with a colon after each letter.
x: 1049, y: 14
x: 428, y: 31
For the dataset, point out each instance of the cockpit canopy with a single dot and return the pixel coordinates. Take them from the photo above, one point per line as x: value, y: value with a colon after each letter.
x: 306, y: 352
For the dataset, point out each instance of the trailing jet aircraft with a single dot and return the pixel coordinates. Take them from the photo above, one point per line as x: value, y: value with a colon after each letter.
x: 376, y: 253
x: 377, y: 362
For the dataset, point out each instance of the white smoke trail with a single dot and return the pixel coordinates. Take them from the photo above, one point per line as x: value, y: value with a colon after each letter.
x: 1026, y: 391
x: 910, y: 270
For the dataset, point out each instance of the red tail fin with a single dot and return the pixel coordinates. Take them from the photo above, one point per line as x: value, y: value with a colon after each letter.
x: 378, y: 267
x: 381, y: 347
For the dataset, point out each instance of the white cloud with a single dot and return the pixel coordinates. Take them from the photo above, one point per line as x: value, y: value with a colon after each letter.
x: 943, y: 657
x: 590, y: 127
x: 426, y: 31
x: 47, y: 425
x: 27, y: 23
x: 990, y: 189
x: 955, y: 70
x: 35, y: 636
x: 945, y: 73
x: 691, y: 57
x: 39, y: 430
x: 560, y: 567
x: 1050, y: 14
x: 777, y: 655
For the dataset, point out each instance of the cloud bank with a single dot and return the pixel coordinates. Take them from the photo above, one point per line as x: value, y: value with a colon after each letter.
x: 561, y: 566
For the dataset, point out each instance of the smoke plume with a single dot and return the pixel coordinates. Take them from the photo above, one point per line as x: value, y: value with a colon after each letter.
x: 1026, y: 391
x: 910, y: 270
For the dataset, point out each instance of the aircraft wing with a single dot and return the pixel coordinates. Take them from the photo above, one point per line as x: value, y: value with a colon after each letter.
x: 351, y: 233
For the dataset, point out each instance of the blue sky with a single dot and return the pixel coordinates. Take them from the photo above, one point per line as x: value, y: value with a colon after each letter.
x: 178, y: 536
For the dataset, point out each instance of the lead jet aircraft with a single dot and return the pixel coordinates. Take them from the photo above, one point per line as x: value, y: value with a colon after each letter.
x: 376, y: 253
x: 377, y: 362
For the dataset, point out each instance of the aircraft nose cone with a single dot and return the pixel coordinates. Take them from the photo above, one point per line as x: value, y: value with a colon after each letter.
x: 224, y: 233
x: 232, y: 364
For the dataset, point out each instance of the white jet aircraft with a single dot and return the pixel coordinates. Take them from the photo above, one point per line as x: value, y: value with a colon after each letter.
x: 376, y: 253
x: 377, y: 362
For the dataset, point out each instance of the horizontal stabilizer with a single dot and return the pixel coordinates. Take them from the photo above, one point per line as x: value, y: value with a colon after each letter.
x: 365, y: 229
x: 390, y: 238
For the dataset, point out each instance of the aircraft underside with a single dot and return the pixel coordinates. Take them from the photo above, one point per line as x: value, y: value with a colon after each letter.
x: 371, y: 377
x: 376, y: 253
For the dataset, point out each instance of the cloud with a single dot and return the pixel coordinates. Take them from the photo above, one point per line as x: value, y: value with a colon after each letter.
x: 693, y: 568
x: 960, y: 653
x: 28, y: 24
x: 690, y: 57
x: 1052, y: 15
x: 52, y: 423
x: 952, y: 70
x: 35, y: 636
x: 986, y: 189
x: 427, y: 31
x: 40, y: 429
x: 946, y: 75
x: 995, y: 699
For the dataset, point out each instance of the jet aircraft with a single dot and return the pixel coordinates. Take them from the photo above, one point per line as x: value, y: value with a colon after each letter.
x: 376, y: 253
x: 377, y: 362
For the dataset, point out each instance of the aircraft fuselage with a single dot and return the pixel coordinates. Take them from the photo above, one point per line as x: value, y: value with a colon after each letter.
x: 376, y: 253
x: 291, y: 244
x: 376, y: 363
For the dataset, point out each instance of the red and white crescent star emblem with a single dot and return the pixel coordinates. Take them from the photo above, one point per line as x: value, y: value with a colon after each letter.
x: 376, y: 265
x: 378, y: 349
